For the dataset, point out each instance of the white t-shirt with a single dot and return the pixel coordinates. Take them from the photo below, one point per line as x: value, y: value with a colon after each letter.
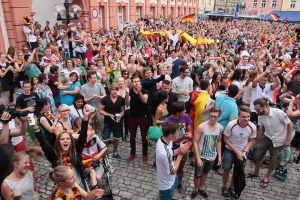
x: 174, y: 38
x: 29, y: 36
x: 249, y: 67
x: 66, y: 72
x: 74, y: 113
x: 238, y: 136
x: 164, y: 165
x: 240, y: 84
x: 65, y: 40
x: 258, y: 92
x: 92, y: 146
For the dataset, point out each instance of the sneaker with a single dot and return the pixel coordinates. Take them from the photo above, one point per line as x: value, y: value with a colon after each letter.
x: 145, y: 159
x: 127, y: 138
x: 225, y: 193
x: 121, y: 140
x: 203, y: 193
x: 233, y: 194
x: 191, y: 154
x: 181, y: 191
x: 194, y: 194
x: 117, y: 156
x: 130, y: 158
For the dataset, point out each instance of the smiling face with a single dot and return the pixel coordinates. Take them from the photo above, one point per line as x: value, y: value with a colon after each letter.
x: 70, y: 179
x: 65, y: 142
x: 23, y: 165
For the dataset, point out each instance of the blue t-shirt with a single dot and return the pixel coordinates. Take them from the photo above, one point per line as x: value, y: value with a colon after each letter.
x: 175, y: 69
x: 228, y: 109
x: 68, y: 98
x: 183, y: 123
x: 32, y: 71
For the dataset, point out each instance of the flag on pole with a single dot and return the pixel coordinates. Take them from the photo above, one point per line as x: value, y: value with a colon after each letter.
x: 275, y: 17
x: 188, y: 18
x: 125, y: 29
x: 284, y: 20
x: 237, y: 10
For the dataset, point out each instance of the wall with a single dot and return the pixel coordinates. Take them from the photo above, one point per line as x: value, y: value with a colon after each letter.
x: 268, y: 8
x: 286, y: 6
x: 208, y: 7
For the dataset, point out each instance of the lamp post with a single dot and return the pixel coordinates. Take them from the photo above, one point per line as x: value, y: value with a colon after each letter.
x: 67, y: 13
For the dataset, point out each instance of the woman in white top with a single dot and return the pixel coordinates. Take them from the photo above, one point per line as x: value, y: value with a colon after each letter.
x: 21, y: 180
x: 248, y: 88
x: 78, y: 104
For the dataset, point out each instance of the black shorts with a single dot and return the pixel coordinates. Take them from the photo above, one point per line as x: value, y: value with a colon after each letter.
x: 32, y: 45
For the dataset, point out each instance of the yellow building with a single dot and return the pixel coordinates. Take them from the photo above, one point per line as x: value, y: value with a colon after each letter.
x: 205, y: 6
x: 290, y: 5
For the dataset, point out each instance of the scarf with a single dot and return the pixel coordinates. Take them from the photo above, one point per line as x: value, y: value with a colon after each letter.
x: 48, y: 115
x: 66, y: 159
x: 57, y: 193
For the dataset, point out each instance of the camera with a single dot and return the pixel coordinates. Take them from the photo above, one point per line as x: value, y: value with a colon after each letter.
x: 11, y: 109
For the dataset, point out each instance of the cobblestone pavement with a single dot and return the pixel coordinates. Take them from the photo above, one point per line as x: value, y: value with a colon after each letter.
x: 137, y: 181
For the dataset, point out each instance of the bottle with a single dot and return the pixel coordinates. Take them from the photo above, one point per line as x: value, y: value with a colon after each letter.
x: 294, y: 156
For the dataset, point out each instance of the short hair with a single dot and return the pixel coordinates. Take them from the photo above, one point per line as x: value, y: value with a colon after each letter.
x: 215, y: 109
x: 204, y: 83
x: 166, y: 82
x: 47, y: 48
x: 26, y: 82
x: 53, y: 69
x: 41, y: 102
x: 134, y: 77
x: 90, y: 73
x: 145, y: 69
x: 177, y: 106
x: 183, y: 68
x: 180, y: 56
x: 223, y: 78
x: 42, y: 77
x: 155, y: 57
x: 113, y: 86
x: 244, y: 108
x: 262, y: 102
x: 233, y: 90
x: 169, y: 128
x: 72, y: 74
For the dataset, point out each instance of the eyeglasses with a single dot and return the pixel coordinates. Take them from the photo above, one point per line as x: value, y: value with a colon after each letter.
x: 63, y: 111
x: 212, y: 116
x: 125, y: 74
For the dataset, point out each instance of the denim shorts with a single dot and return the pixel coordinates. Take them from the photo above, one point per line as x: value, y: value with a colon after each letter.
x: 229, y: 157
x: 168, y: 194
x: 116, y: 130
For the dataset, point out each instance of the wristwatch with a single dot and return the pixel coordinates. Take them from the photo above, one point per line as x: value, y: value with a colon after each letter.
x: 245, y: 151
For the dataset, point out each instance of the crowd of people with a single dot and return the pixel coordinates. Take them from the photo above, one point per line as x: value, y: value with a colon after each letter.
x: 215, y: 100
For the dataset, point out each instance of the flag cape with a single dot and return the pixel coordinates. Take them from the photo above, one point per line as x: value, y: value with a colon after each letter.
x: 188, y: 18
x: 275, y: 17
x: 87, y: 160
x: 200, y: 104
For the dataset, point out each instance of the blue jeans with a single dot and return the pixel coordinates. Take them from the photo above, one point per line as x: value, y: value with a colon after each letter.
x: 115, y: 129
x: 83, y: 55
x: 168, y: 194
x: 229, y: 158
x: 57, y: 101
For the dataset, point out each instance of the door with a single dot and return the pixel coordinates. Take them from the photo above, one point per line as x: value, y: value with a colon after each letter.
x: 101, y: 18
x: 120, y: 18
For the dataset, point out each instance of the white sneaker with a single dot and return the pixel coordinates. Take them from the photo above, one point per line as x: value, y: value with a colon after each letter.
x: 121, y: 140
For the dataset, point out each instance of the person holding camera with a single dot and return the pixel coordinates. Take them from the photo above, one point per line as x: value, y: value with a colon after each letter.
x: 6, y: 146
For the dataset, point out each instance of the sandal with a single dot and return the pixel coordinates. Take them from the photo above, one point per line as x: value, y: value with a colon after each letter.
x: 264, y: 184
x: 219, y: 171
x: 249, y: 175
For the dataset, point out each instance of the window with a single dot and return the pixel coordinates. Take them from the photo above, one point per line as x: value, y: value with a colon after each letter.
x: 138, y: 12
x: 101, y: 16
x: 263, y: 3
x: 274, y: 2
x: 209, y: 2
x: 152, y: 11
x: 254, y: 3
x: 163, y: 11
x: 232, y: 11
x: 293, y: 3
x: 202, y: 2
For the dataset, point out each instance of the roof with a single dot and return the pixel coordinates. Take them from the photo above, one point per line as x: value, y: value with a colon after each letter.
x: 290, y: 16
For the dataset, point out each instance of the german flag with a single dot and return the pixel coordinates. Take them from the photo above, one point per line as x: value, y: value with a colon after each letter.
x: 284, y: 20
x: 188, y: 18
x: 264, y: 37
x: 125, y: 29
x: 275, y: 17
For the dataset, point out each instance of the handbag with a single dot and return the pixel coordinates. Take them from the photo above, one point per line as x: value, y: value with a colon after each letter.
x: 280, y: 174
x: 154, y: 133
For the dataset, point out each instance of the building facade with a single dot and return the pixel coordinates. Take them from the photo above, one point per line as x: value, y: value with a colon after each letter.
x: 97, y: 14
x: 229, y: 6
x: 291, y: 5
x: 206, y: 6
x: 265, y: 6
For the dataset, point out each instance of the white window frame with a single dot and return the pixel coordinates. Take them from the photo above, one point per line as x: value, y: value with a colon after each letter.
x: 163, y: 11
x: 101, y: 16
x: 138, y: 12
x: 203, y: 2
x: 263, y: 3
x: 152, y: 10
x: 209, y: 2
x: 274, y: 4
x: 293, y: 3
x: 254, y: 3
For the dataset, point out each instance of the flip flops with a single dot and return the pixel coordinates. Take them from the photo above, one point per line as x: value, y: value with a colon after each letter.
x: 264, y: 184
x: 249, y: 175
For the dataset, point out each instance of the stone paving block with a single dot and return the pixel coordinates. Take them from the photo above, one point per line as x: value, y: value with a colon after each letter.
x: 126, y: 195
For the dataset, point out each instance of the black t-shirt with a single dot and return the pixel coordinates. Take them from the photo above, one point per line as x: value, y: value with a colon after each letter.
x: 6, y: 164
x: 172, y: 98
x: 25, y: 101
x: 137, y: 107
x: 112, y: 108
x: 293, y: 87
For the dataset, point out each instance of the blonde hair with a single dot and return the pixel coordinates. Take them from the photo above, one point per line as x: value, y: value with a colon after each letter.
x: 63, y: 106
x: 65, y: 80
x: 77, y: 124
x: 58, y: 174
x: 33, y: 152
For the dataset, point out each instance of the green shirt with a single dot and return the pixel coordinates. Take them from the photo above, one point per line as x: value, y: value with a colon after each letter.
x: 82, y: 77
